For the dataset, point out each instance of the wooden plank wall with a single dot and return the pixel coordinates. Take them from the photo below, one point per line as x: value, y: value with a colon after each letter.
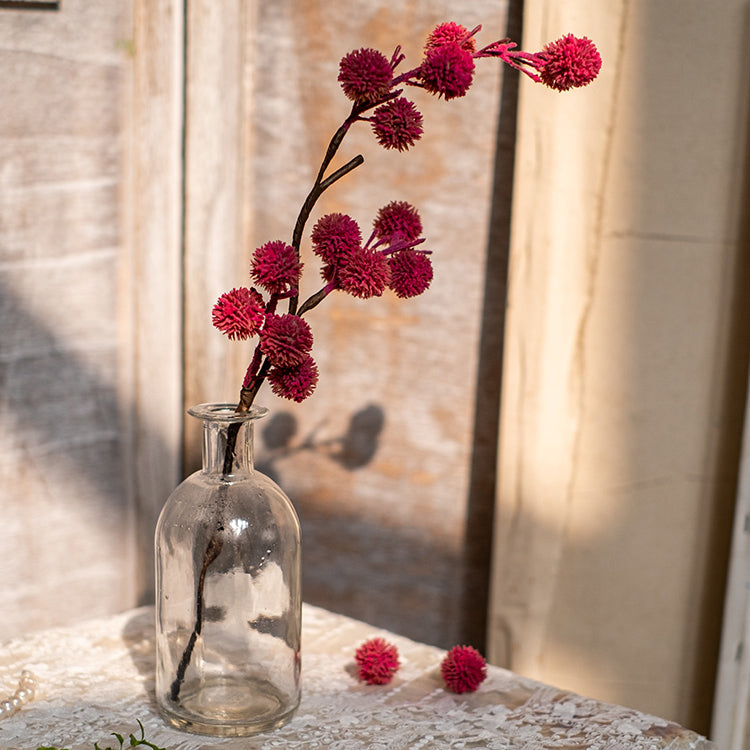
x: 152, y: 275
x: 67, y: 530
x: 90, y: 270
x: 113, y: 250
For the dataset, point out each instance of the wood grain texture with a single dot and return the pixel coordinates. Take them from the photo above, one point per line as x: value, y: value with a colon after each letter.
x: 730, y: 727
x: 67, y: 527
x: 154, y: 278
x: 219, y: 48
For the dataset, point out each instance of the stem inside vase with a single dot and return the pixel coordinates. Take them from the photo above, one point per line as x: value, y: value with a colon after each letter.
x: 213, y: 550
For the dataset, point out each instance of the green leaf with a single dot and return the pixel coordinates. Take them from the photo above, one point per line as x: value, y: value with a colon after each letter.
x: 133, y: 741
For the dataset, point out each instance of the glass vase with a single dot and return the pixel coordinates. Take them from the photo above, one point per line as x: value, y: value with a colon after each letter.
x: 228, y: 604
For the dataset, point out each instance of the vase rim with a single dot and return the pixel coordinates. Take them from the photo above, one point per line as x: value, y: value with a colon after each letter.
x: 225, y: 412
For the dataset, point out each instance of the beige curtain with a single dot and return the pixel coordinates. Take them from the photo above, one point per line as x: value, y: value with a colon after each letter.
x: 625, y: 361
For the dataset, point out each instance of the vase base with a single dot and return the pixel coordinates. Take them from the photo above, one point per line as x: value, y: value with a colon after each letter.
x: 229, y: 708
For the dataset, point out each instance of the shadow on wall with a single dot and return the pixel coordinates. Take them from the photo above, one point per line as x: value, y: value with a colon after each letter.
x: 387, y: 575
x: 352, y: 450
x: 62, y: 421
x: 480, y: 510
x: 61, y: 461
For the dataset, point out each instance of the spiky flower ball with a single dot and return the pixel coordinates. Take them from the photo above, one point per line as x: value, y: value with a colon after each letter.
x: 286, y: 340
x: 365, y: 75
x: 365, y: 274
x: 463, y: 669
x: 447, y: 70
x: 570, y: 61
x: 411, y: 273
x: 239, y: 313
x: 397, y: 124
x: 275, y: 267
x: 446, y: 33
x: 294, y: 383
x: 335, y: 237
x: 398, y: 220
x: 377, y: 661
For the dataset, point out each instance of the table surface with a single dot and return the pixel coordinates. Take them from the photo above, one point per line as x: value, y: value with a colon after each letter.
x: 97, y: 677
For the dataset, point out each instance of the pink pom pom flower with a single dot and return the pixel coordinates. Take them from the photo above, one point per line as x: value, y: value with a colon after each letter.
x: 411, y: 273
x: 447, y: 33
x: 239, y: 313
x: 335, y: 237
x: 365, y: 274
x: 398, y: 220
x: 397, y: 124
x: 365, y: 75
x: 275, y: 267
x: 377, y: 661
x: 569, y: 62
x: 286, y: 340
x: 294, y: 383
x: 463, y: 669
x: 447, y: 70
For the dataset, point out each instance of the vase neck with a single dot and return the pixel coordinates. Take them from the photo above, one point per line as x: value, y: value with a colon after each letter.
x: 227, y: 448
x: 227, y: 438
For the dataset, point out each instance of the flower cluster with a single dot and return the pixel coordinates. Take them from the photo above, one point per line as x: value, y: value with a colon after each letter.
x: 388, y: 260
x: 447, y: 71
x: 391, y: 257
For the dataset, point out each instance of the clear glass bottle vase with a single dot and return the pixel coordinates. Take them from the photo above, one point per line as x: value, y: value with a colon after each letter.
x: 228, y: 604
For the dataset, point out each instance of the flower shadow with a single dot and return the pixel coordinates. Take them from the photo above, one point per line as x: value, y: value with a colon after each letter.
x: 352, y: 450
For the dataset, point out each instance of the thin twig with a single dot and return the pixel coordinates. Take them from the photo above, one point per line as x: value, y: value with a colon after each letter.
x: 212, y: 552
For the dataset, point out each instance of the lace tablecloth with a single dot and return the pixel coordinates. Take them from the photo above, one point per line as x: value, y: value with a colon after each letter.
x: 97, y: 678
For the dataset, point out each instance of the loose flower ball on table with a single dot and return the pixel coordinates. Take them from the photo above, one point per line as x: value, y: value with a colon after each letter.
x: 377, y: 661
x: 463, y: 669
x: 393, y: 257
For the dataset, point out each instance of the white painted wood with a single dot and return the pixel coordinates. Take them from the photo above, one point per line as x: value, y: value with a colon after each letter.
x: 216, y: 257
x: 68, y: 528
x: 729, y: 727
x: 153, y: 276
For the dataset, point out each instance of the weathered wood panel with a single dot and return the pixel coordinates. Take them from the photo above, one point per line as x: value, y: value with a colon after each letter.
x: 90, y: 272
x: 152, y: 276
x: 67, y: 526
x: 730, y: 727
x: 217, y: 137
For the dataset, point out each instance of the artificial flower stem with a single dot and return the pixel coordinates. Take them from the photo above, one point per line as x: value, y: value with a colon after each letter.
x: 316, y: 298
x: 341, y: 171
x: 250, y: 375
x: 315, y: 191
x: 249, y: 392
x: 307, y: 207
x: 212, y: 552
x: 215, y: 544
